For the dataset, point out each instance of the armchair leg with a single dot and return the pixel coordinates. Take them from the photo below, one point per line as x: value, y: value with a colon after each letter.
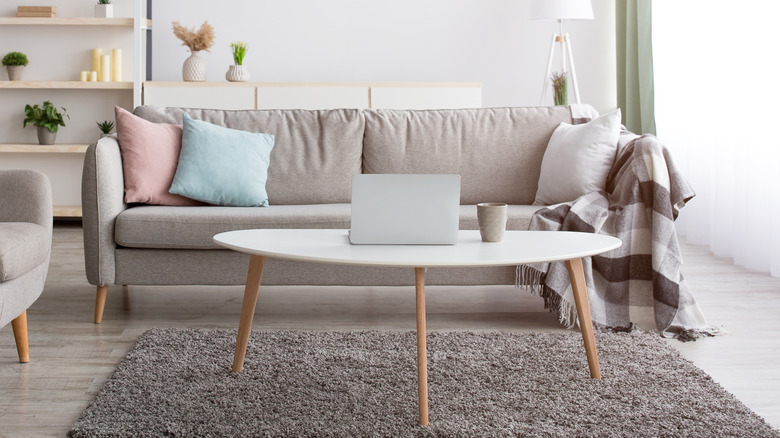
x: 100, y: 303
x: 20, y: 336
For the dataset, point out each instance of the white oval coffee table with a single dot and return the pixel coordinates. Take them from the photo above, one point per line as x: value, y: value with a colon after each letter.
x: 332, y: 246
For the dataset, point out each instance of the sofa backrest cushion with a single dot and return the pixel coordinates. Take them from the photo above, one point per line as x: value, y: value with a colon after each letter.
x: 497, y: 151
x: 315, y: 152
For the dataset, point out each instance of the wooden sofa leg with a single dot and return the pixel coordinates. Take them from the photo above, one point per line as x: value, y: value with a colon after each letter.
x: 100, y: 303
x: 20, y: 336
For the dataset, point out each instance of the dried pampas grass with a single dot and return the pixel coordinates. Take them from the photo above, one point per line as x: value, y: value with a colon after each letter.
x: 203, y: 39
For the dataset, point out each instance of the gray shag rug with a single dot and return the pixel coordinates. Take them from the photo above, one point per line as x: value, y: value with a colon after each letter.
x: 177, y: 383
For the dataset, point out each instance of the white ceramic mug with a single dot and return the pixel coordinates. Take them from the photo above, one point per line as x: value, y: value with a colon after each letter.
x: 492, y: 221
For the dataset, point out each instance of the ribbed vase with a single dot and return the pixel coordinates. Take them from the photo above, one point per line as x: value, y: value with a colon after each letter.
x: 194, y: 68
x: 237, y: 73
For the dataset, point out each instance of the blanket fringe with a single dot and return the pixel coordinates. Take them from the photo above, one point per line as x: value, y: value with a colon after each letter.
x: 532, y: 278
x: 682, y: 335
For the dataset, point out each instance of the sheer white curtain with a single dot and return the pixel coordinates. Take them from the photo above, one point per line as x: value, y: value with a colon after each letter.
x: 716, y: 66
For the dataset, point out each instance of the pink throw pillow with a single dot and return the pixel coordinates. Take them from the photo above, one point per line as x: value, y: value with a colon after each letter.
x: 150, y: 154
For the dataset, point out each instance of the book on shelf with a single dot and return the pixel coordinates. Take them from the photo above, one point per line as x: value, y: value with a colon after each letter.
x: 36, y: 11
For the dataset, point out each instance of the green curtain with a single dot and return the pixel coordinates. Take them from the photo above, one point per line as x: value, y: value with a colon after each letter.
x: 636, y: 95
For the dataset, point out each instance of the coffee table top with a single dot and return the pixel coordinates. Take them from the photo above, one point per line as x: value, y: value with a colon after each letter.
x: 332, y: 246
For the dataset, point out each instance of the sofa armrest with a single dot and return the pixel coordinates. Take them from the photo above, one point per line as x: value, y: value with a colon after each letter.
x: 26, y: 197
x: 102, y: 199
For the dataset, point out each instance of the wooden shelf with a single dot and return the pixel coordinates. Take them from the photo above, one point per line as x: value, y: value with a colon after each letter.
x: 43, y: 149
x: 71, y: 21
x: 66, y: 85
x: 66, y: 211
x: 312, y: 84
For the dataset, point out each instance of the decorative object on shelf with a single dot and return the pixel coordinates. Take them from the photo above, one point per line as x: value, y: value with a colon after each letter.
x: 116, y: 66
x: 237, y: 72
x: 105, y: 68
x: 47, y: 118
x: 559, y: 89
x: 97, y: 55
x: 104, y: 9
x: 561, y: 10
x: 105, y: 127
x: 14, y: 63
x: 194, y: 68
x: 36, y: 11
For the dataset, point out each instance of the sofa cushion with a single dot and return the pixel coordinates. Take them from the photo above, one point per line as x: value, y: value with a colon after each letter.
x: 23, y: 246
x: 223, y: 166
x: 497, y: 151
x: 150, y: 152
x: 193, y: 227
x: 578, y: 159
x: 315, y: 153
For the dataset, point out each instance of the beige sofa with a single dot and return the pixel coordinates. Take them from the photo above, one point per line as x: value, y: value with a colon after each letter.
x: 497, y: 151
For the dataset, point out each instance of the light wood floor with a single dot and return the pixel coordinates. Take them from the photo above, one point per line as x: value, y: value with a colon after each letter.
x: 71, y: 357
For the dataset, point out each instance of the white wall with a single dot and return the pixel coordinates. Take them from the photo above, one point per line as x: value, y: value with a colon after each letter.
x: 487, y: 41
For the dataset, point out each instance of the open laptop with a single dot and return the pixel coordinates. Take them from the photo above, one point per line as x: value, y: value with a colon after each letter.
x: 405, y: 209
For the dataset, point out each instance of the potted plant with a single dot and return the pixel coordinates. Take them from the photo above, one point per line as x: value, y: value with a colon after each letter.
x: 237, y: 72
x: 47, y: 118
x: 559, y: 89
x: 194, y: 68
x: 14, y: 63
x: 104, y: 9
x: 105, y: 127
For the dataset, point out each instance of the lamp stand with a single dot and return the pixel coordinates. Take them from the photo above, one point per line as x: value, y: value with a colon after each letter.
x: 565, y: 42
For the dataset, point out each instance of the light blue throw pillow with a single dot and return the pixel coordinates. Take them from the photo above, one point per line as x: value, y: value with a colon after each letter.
x: 222, y: 166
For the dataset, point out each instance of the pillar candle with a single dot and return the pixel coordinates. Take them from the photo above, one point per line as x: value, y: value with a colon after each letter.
x: 93, y: 76
x: 116, y: 57
x: 96, y: 54
x: 105, y: 68
x: 84, y: 76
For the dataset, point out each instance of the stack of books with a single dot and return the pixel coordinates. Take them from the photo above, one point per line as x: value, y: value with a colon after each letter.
x: 36, y: 11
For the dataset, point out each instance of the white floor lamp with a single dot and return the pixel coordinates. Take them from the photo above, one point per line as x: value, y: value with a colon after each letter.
x: 561, y: 10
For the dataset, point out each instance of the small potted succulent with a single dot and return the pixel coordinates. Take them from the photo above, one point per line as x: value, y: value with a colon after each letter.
x: 104, y: 9
x: 14, y: 63
x: 105, y: 127
x: 47, y: 118
x: 237, y: 72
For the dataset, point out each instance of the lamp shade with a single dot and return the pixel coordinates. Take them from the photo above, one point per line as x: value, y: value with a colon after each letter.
x: 561, y: 10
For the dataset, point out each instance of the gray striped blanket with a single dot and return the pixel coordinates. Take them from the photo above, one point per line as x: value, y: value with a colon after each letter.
x: 639, y: 284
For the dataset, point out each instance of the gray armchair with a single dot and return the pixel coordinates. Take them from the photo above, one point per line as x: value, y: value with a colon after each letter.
x: 25, y: 247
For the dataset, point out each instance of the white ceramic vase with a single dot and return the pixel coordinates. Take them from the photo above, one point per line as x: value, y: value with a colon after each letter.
x: 45, y: 136
x: 104, y: 11
x: 237, y: 73
x: 194, y: 68
x: 14, y: 72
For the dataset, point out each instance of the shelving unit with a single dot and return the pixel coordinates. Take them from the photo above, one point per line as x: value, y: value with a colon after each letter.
x: 55, y: 64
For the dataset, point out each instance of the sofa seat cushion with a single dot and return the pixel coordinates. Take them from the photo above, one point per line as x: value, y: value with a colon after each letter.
x: 163, y: 227
x: 23, y: 246
x: 193, y: 227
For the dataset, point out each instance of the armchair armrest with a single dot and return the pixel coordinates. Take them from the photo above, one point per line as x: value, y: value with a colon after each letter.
x: 26, y: 197
x: 102, y: 199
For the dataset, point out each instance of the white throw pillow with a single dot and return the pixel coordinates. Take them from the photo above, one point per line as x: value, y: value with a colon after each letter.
x: 578, y: 159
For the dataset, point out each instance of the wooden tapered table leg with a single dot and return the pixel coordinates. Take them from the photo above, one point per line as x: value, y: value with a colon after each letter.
x: 251, y: 290
x: 19, y: 325
x: 422, y: 352
x: 580, y: 290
